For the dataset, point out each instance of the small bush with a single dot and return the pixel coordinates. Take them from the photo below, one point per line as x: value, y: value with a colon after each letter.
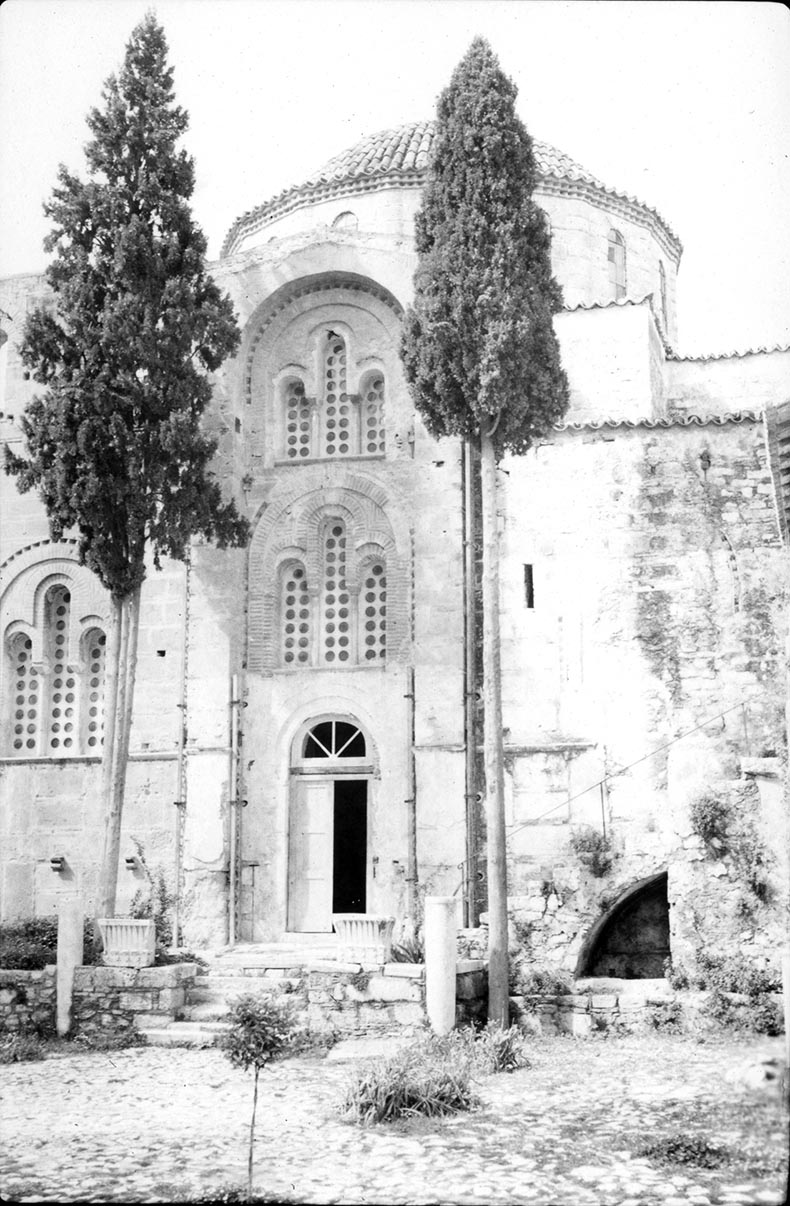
x: 593, y: 849
x: 530, y: 980
x: 676, y: 975
x: 409, y: 950
x: 154, y: 902
x: 666, y: 1016
x: 710, y: 817
x: 22, y: 1048
x: 736, y: 974
x: 109, y: 1040
x: 686, y: 1149
x: 31, y: 943
x: 411, y: 1083
x: 759, y: 1015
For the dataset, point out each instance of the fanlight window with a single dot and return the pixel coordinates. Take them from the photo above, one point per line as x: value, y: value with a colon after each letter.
x: 334, y: 739
x: 617, y: 264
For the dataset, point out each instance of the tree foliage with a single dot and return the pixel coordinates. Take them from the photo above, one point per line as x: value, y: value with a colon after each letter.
x: 115, y: 445
x: 478, y: 344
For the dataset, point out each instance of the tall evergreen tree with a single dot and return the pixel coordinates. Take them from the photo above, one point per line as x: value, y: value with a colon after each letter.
x: 481, y: 357
x: 114, y: 443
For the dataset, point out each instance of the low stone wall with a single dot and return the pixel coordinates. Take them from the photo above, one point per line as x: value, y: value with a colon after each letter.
x: 27, y: 1000
x: 627, y: 1005
x: 116, y: 998
x: 346, y: 998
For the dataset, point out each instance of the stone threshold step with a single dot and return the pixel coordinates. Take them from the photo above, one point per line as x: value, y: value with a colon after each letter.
x: 178, y: 1034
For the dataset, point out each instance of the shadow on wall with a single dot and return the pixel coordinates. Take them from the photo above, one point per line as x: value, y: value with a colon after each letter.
x: 631, y: 940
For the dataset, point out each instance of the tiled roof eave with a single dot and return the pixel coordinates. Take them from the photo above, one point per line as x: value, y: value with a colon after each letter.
x: 710, y: 420
x: 291, y: 199
x: 762, y: 351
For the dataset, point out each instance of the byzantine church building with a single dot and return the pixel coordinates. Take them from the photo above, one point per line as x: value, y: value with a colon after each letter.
x: 308, y: 726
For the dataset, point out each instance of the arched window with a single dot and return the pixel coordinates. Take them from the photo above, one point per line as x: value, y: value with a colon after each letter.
x: 62, y: 682
x: 92, y: 690
x: 298, y: 421
x: 337, y: 405
x: 346, y: 221
x: 372, y: 413
x: 296, y: 627
x: 26, y: 684
x: 662, y: 282
x: 335, y: 601
x: 373, y: 613
x: 617, y: 264
x: 57, y: 706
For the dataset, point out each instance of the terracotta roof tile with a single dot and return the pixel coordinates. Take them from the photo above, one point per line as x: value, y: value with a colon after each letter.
x: 403, y: 152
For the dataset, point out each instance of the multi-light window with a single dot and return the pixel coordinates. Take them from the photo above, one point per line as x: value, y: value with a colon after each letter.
x: 616, y: 259
x: 57, y: 704
x: 350, y: 624
x: 337, y: 423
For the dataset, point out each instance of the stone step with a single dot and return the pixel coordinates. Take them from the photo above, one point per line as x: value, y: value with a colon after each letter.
x: 205, y: 1011
x: 185, y: 1034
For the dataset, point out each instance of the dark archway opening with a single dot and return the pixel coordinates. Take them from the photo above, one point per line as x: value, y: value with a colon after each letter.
x: 350, y: 846
x: 633, y: 941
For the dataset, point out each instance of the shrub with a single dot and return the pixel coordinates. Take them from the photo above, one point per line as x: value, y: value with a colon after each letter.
x: 22, y: 1048
x: 710, y: 817
x: 109, y: 1040
x: 593, y: 849
x: 415, y: 1081
x: 736, y: 974
x: 676, y: 975
x: 531, y: 980
x: 31, y: 943
x: 154, y: 901
x: 685, y: 1149
x: 409, y: 950
x: 759, y: 1015
x: 666, y: 1016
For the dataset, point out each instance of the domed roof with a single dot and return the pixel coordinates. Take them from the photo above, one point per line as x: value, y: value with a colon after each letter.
x: 400, y: 156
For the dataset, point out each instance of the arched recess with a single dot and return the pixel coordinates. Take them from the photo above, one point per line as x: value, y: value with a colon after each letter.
x: 333, y: 766
x: 290, y: 529
x: 631, y: 940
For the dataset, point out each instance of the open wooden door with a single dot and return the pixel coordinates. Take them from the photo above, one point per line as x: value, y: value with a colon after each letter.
x: 310, y: 841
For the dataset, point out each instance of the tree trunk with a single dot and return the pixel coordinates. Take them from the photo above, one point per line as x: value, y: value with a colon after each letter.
x: 252, y: 1134
x: 119, y: 693
x: 498, y: 1003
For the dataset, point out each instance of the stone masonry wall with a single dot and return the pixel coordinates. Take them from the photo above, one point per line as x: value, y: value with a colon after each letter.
x: 115, y: 998
x: 27, y: 1000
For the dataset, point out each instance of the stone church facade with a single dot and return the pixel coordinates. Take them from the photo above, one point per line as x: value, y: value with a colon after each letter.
x: 307, y: 717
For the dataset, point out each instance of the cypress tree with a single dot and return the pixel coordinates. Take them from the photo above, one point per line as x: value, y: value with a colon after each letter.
x: 481, y: 357
x: 114, y: 443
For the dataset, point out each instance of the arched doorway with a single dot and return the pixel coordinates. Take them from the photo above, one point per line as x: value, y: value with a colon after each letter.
x: 332, y: 765
x: 631, y: 940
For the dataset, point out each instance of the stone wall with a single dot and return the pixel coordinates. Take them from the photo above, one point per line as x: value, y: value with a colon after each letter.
x: 27, y: 1000
x: 116, y: 998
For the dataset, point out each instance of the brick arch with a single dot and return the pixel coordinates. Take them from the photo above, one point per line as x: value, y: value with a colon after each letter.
x: 301, y: 513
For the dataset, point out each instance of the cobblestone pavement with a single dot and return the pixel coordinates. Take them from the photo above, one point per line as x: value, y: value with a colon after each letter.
x: 153, y: 1124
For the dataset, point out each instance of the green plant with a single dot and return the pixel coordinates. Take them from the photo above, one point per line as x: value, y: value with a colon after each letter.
x: 735, y: 973
x: 676, y: 975
x: 499, y: 1049
x: 358, y: 980
x: 593, y: 849
x: 31, y: 943
x: 532, y: 981
x: 409, y: 950
x: 263, y: 1029
x: 415, y: 1081
x: 666, y: 1016
x: 22, y: 1048
x: 751, y: 863
x: 109, y: 1040
x: 685, y: 1149
x: 710, y: 818
x: 154, y: 901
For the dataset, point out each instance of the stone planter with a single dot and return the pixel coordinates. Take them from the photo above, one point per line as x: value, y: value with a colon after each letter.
x: 128, y: 941
x: 363, y: 938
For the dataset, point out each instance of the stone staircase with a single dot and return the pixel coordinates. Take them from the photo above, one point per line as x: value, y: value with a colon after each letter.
x: 272, y: 967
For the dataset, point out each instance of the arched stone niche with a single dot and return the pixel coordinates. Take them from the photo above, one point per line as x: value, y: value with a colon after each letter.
x: 631, y: 940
